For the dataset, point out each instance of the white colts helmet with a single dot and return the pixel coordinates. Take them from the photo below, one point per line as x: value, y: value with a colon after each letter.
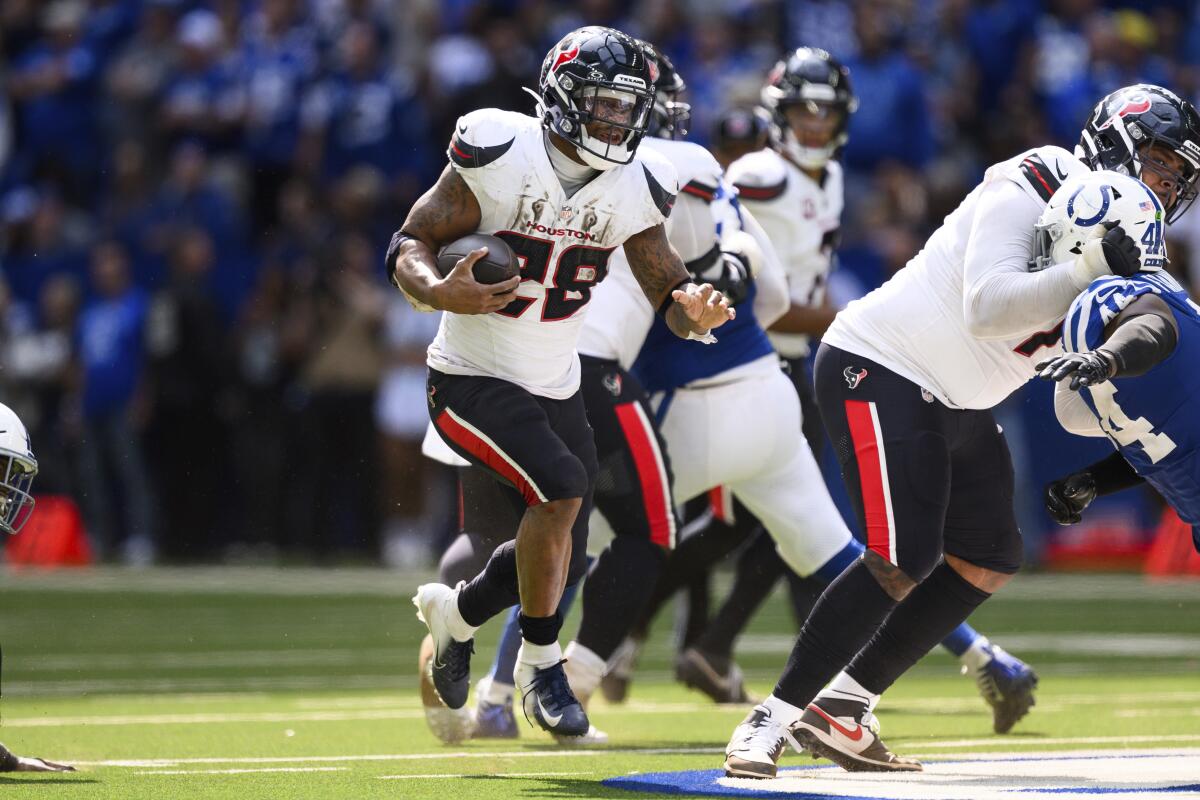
x: 17, y: 468
x: 1078, y: 210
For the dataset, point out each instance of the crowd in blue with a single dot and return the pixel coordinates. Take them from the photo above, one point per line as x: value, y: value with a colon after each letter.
x: 195, y: 197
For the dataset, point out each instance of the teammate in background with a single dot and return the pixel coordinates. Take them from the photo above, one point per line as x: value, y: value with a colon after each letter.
x: 1132, y: 345
x: 633, y: 489
x: 739, y: 131
x: 18, y: 467
x: 809, y: 99
x: 563, y: 189
x: 905, y: 380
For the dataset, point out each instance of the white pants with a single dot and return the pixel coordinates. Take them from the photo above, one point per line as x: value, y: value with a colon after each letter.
x: 745, y: 434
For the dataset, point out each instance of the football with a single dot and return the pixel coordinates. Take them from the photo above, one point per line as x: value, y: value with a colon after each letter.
x: 498, y: 265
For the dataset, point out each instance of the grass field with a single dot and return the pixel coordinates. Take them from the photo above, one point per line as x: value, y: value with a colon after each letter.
x: 248, y: 684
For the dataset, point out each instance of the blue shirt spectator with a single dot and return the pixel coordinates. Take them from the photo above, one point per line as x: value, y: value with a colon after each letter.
x: 111, y: 335
x: 276, y: 63
x: 363, y: 115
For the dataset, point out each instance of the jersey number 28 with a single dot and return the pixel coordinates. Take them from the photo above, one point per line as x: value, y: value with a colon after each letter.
x: 577, y: 270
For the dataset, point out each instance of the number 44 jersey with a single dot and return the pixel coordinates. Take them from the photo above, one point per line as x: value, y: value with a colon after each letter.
x: 563, y: 243
x: 1150, y: 418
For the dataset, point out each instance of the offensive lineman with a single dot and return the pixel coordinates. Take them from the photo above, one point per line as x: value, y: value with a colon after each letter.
x: 809, y: 98
x: 905, y: 379
x: 563, y: 190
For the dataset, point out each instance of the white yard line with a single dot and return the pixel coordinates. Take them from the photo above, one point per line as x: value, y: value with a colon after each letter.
x: 211, y: 719
x: 483, y: 775
x: 571, y: 753
x: 654, y: 751
x: 239, y: 771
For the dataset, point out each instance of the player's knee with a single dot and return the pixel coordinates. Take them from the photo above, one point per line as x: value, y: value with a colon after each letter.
x: 568, y: 477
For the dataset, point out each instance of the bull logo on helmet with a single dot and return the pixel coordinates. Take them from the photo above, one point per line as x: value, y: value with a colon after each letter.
x: 564, y: 56
x: 1139, y: 104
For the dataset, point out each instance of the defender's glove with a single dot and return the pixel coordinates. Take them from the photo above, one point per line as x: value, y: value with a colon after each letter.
x: 729, y: 274
x: 1113, y: 253
x: 1067, y: 497
x: 1085, y: 369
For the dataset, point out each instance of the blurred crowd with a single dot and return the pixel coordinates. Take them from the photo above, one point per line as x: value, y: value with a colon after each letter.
x: 195, y: 197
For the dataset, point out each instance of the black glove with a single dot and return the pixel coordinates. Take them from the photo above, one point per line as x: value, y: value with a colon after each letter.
x: 1085, y: 369
x: 1067, y: 497
x: 729, y: 274
x: 1121, y: 252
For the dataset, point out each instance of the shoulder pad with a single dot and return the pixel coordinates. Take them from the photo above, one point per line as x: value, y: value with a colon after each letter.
x: 759, y: 176
x: 1044, y: 169
x: 483, y: 136
x: 696, y: 169
x: 661, y: 179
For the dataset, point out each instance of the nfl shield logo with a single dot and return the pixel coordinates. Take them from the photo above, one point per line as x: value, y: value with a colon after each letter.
x: 566, y: 213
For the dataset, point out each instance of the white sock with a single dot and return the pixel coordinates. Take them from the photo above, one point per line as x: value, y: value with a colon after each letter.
x: 977, y: 655
x: 460, y: 631
x: 539, y: 655
x: 584, y: 668
x: 847, y: 688
x: 498, y: 694
x: 781, y: 711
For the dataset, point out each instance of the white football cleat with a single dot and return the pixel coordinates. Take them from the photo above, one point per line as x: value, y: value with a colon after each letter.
x: 450, y: 669
x: 449, y: 725
x: 756, y: 745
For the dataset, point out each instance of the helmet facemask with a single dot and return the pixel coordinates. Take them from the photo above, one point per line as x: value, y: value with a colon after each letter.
x: 597, y: 77
x: 16, y: 500
x: 818, y: 119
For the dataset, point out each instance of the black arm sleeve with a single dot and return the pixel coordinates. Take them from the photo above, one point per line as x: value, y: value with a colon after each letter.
x: 1113, y: 474
x: 1143, y: 335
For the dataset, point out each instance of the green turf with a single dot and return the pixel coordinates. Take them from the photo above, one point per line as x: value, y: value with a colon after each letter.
x: 182, y: 673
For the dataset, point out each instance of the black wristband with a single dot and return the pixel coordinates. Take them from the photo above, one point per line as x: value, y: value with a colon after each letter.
x: 666, y: 303
x: 389, y: 260
x: 1113, y: 474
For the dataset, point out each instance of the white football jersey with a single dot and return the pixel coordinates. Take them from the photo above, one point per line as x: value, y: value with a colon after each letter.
x: 564, y: 245
x: 915, y: 324
x: 801, y: 217
x: 620, y: 316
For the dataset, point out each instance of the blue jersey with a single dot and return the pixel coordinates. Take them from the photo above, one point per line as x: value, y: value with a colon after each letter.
x: 1151, y: 418
x: 668, y: 362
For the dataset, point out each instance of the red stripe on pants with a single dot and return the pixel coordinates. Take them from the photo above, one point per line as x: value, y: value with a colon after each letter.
x: 651, y: 473
x: 870, y: 476
x: 477, y: 447
x: 716, y: 501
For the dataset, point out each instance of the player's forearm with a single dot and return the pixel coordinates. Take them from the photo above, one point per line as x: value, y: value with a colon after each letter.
x: 1112, y: 474
x: 411, y: 266
x: 809, y: 320
x: 1140, y: 343
x: 1008, y: 304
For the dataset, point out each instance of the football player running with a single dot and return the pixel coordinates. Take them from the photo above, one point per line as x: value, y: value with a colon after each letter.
x: 633, y: 490
x: 905, y: 381
x: 18, y: 468
x: 563, y: 189
x: 1128, y: 373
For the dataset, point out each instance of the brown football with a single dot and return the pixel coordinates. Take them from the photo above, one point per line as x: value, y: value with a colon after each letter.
x: 498, y: 265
